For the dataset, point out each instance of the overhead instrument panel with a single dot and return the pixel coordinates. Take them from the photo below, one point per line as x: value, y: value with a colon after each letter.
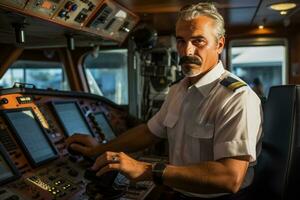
x: 14, y: 3
x: 104, y: 18
x: 113, y: 21
x: 46, y: 8
x: 76, y: 12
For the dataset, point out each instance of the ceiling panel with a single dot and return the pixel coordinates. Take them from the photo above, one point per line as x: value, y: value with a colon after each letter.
x: 240, y: 16
x: 39, y: 32
x: 161, y: 14
x: 155, y: 6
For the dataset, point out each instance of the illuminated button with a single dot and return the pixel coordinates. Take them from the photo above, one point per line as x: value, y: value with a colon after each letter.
x: 62, y: 13
x: 66, y: 186
x: 3, y: 101
x: 57, y: 182
x: 74, y: 7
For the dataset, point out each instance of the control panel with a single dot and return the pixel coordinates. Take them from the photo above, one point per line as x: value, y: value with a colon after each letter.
x: 46, y: 8
x: 76, y: 12
x: 34, y: 160
x: 105, y: 18
x: 113, y: 21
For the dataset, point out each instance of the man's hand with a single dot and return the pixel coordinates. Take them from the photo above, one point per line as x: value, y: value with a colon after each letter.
x: 84, y: 144
x: 132, y: 169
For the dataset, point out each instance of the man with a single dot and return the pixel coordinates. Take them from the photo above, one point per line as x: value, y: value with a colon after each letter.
x: 211, y: 118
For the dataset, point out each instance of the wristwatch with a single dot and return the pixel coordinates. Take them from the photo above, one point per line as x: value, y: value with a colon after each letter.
x: 157, y: 172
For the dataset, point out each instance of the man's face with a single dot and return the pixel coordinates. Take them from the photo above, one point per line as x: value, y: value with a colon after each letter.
x: 197, y: 45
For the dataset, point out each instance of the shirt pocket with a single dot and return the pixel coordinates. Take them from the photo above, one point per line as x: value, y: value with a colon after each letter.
x: 200, y: 131
x: 199, y: 142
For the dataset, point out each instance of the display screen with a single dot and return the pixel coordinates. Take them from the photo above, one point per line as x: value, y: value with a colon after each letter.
x: 105, y: 126
x: 71, y: 118
x: 31, y: 135
x: 5, y: 170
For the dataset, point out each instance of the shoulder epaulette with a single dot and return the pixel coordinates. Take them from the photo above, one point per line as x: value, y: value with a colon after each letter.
x: 232, y: 83
x: 174, y: 82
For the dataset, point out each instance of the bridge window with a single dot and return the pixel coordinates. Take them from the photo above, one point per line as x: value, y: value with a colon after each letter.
x: 43, y: 75
x: 107, y: 75
x: 260, y: 66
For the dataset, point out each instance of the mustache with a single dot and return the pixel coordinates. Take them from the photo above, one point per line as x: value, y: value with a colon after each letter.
x: 190, y: 60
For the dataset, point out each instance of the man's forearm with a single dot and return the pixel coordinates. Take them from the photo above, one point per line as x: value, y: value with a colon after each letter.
x: 207, y: 177
x: 132, y: 140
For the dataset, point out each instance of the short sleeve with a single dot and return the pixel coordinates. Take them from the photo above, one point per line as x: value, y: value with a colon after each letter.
x: 238, y: 126
x: 155, y: 124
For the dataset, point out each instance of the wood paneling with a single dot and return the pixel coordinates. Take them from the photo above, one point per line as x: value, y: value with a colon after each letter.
x: 9, y: 54
x: 294, y: 56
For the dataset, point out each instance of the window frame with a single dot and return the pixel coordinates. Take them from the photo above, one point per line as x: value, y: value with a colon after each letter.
x: 262, y: 41
x: 84, y: 67
x: 32, y: 64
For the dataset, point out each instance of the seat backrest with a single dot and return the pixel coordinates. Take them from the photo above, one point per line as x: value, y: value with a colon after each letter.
x: 276, y: 173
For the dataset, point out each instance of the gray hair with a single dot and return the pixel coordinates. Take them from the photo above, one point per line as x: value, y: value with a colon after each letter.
x: 193, y: 11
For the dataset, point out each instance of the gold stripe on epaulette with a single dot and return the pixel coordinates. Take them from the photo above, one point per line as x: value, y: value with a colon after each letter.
x: 236, y: 85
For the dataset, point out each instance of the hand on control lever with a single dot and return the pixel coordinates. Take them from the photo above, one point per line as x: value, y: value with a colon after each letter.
x: 129, y: 167
x: 73, y: 152
x: 106, y: 179
x: 75, y: 155
x: 102, y: 185
x: 80, y: 144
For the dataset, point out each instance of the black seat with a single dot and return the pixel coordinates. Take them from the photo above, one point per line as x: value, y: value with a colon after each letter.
x: 277, y: 170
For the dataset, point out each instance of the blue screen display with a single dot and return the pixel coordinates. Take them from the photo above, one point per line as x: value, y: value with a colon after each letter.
x: 32, y: 135
x: 105, y: 127
x: 72, y: 118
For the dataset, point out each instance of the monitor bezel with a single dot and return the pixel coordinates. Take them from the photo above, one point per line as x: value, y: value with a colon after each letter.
x: 13, y: 168
x: 20, y: 141
x: 108, y: 122
x: 53, y: 103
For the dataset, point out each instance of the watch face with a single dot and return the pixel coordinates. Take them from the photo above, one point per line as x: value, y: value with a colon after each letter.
x: 159, y: 167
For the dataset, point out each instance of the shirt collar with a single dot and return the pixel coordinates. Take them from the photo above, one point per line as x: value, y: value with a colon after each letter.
x: 205, y: 84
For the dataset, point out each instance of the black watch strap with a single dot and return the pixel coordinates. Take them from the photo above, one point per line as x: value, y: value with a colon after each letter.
x: 157, y: 172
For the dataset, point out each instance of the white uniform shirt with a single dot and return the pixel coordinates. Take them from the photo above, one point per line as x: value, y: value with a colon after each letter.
x: 207, y: 121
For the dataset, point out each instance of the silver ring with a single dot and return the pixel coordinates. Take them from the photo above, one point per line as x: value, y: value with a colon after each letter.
x: 115, y: 158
